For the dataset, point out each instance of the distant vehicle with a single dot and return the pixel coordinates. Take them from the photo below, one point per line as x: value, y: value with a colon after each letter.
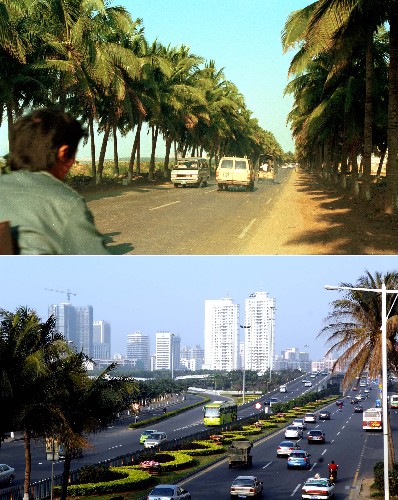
x: 358, y: 409
x: 308, y: 383
x: 168, y: 491
x: 340, y: 402
x: 145, y: 434
x: 324, y: 415
x: 372, y: 419
x: 310, y: 417
x: 155, y: 439
x: 324, y: 373
x: 394, y: 401
x: 299, y: 459
x: 321, y: 488
x: 246, y: 487
x: 363, y: 383
x: 190, y: 171
x: 273, y: 401
x: 313, y: 375
x: 285, y: 447
x: 300, y: 422
x: 293, y: 432
x: 233, y: 171
x: 316, y: 436
x: 283, y: 388
x: 220, y: 412
x: 7, y: 474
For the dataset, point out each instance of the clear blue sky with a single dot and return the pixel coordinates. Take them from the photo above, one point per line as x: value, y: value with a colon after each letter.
x: 167, y: 293
x: 241, y: 36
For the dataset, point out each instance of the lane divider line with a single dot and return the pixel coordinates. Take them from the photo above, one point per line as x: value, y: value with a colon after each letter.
x: 166, y: 205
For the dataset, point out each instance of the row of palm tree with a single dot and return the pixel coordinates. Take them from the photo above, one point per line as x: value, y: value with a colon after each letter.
x: 93, y: 60
x: 47, y: 392
x: 345, y: 88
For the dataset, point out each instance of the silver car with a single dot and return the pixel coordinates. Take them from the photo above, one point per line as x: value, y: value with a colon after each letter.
x: 7, y: 474
x: 246, y: 487
x: 168, y: 491
x: 155, y: 439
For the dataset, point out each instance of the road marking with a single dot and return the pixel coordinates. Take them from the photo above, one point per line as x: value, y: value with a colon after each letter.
x: 167, y: 204
x: 324, y: 451
x: 295, y: 489
x: 267, y: 465
x: 268, y: 201
x: 243, y: 233
x: 209, y: 191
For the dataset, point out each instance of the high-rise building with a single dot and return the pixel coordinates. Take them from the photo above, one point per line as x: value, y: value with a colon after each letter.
x: 101, y: 340
x: 259, y: 332
x: 138, y: 350
x: 76, y: 325
x: 192, y: 357
x: 167, y: 351
x: 221, y: 334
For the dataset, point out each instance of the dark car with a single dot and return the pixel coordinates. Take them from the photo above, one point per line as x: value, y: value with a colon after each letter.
x: 340, y: 402
x: 324, y: 415
x: 358, y: 409
x: 7, y: 474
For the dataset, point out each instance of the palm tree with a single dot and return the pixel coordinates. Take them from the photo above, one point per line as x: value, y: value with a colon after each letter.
x: 353, y: 327
x: 26, y: 347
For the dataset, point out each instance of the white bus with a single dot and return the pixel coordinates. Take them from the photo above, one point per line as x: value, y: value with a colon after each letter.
x: 394, y: 401
x: 372, y: 419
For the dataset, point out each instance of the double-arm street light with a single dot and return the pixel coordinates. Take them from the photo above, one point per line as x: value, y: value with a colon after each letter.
x: 244, y: 366
x: 383, y: 292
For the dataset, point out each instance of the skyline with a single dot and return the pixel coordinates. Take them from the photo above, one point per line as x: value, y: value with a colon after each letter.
x: 167, y: 293
x: 245, y: 41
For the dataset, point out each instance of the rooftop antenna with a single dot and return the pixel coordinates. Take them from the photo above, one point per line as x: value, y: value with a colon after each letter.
x: 68, y: 292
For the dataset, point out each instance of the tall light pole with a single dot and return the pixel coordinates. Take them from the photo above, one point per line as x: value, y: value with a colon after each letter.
x: 383, y: 292
x: 172, y: 335
x: 244, y: 366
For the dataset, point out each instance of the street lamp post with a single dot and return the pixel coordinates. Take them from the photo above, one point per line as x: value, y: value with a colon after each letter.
x: 244, y: 366
x: 383, y: 292
x: 172, y: 354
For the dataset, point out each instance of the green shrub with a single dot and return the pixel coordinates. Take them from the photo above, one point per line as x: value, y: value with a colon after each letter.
x: 97, y: 474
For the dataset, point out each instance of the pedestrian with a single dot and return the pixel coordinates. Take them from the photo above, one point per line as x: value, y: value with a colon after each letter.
x: 45, y: 215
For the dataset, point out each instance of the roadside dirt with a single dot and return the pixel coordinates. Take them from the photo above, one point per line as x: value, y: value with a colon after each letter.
x: 312, y: 217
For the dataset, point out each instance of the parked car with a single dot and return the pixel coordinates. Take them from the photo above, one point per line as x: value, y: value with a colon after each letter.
x: 7, y: 474
x: 246, y: 487
x: 316, y: 436
x: 310, y: 417
x: 145, y: 434
x: 168, y: 491
x: 320, y: 488
x: 155, y: 439
x: 285, y: 447
x: 293, y: 432
x: 324, y: 415
x: 299, y: 459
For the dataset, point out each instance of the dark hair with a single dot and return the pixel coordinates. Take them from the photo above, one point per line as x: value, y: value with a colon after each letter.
x: 36, y: 138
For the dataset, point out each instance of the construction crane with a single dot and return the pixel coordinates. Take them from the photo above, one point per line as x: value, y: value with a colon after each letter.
x: 68, y: 292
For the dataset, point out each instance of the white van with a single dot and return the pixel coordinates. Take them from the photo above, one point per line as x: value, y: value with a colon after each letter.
x: 191, y: 172
x: 233, y: 171
x: 282, y: 388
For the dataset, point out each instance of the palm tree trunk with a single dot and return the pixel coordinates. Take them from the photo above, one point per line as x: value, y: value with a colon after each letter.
x: 368, y: 120
x: 92, y: 147
x: 382, y: 158
x: 101, y: 158
x: 65, y: 476
x: 169, y: 141
x: 115, y: 154
x: 154, y: 133
x: 10, y: 121
x: 392, y: 130
x: 28, y: 464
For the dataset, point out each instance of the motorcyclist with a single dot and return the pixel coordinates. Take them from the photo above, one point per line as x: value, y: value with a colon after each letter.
x: 340, y: 406
x: 333, y: 469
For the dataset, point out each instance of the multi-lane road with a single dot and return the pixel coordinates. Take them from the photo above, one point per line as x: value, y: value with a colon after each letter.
x: 354, y: 450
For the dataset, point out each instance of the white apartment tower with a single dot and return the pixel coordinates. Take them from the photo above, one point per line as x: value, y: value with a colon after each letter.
x: 259, y: 332
x: 167, y: 351
x: 138, y: 350
x: 221, y: 334
x: 101, y: 340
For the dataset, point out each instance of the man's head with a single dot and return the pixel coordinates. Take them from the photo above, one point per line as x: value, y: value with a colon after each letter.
x: 43, y: 139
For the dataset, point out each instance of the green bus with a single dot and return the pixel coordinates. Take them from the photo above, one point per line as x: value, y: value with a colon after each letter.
x: 220, y: 412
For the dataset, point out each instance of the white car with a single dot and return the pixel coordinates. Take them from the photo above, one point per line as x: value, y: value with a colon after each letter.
x: 167, y: 491
x: 246, y: 486
x: 300, y: 422
x: 307, y: 383
x: 293, y: 432
x: 321, y: 488
x: 155, y: 439
x: 310, y: 417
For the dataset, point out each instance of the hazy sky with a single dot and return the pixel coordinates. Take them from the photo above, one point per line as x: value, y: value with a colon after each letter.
x: 241, y: 36
x: 158, y: 293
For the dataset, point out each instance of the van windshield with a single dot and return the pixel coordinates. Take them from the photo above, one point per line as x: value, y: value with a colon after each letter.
x: 240, y: 165
x: 186, y: 164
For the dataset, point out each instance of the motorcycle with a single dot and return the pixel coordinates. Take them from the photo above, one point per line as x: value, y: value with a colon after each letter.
x: 332, y: 475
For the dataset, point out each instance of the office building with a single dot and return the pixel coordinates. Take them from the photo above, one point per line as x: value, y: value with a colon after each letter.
x: 221, y: 334
x: 167, y: 351
x: 259, y: 332
x: 138, y: 350
x: 101, y: 340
